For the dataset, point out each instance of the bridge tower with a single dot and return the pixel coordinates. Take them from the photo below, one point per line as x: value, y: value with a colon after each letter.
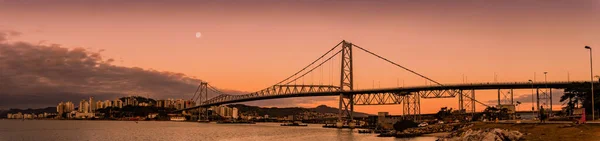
x: 346, y: 105
x: 203, y: 89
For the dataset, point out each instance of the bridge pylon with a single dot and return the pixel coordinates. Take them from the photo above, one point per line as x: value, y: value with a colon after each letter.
x: 346, y: 105
x: 202, y: 111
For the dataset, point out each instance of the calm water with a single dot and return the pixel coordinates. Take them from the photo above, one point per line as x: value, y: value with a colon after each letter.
x: 67, y: 130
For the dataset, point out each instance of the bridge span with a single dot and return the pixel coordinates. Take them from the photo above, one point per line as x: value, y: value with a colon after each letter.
x: 382, y: 96
x: 408, y: 97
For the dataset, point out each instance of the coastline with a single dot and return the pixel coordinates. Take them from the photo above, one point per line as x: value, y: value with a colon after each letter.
x: 544, y: 132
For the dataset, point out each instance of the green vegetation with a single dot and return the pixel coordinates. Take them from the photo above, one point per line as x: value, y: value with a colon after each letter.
x: 579, y: 96
x: 139, y: 99
x: 135, y: 111
x: 282, y: 112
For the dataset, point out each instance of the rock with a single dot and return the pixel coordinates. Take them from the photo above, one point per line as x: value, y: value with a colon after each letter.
x: 495, y: 134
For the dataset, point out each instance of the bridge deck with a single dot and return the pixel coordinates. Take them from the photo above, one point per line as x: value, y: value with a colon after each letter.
x: 398, y: 90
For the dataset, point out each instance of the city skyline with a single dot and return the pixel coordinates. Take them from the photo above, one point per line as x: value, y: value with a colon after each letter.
x: 242, y: 51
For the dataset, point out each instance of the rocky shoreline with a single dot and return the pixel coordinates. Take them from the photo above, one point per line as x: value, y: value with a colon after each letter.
x: 419, y: 131
x: 494, y: 134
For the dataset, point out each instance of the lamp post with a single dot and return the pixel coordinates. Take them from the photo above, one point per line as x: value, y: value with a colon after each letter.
x: 592, y: 82
x: 532, y: 102
x: 546, y: 85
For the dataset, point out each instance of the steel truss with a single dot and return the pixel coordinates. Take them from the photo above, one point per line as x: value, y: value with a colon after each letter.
x: 380, y: 98
x: 411, y: 107
x: 466, y: 104
x: 274, y: 91
x: 445, y: 93
x: 506, y: 97
x: 544, y: 99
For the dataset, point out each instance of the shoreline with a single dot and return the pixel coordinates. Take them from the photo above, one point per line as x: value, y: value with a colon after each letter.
x: 543, y: 132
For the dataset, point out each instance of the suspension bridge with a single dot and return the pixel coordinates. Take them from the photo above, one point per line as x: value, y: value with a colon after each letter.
x: 409, y: 97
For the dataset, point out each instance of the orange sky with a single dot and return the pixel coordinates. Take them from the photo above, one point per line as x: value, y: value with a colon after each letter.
x: 248, y: 46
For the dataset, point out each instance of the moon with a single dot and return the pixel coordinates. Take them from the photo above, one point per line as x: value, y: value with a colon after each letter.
x: 198, y: 34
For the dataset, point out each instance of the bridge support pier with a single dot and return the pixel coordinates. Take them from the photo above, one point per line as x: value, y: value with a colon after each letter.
x: 411, y: 106
x: 464, y: 103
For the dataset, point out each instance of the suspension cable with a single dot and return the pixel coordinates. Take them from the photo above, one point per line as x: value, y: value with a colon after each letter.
x: 195, y: 92
x: 397, y: 65
x: 301, y: 76
x: 412, y: 71
x: 310, y: 63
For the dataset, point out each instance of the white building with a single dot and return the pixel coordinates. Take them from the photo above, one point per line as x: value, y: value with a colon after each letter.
x: 99, y: 105
x: 69, y: 106
x: 118, y: 103
x: 84, y: 107
x: 92, y: 105
x: 235, y: 113
x: 225, y: 111
x: 107, y: 103
x: 60, y: 108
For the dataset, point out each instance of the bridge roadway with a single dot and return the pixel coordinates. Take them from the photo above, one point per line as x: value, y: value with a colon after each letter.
x: 398, y: 91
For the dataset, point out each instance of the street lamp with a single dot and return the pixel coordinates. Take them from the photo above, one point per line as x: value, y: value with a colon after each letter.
x: 532, y: 102
x: 546, y: 81
x: 592, y: 82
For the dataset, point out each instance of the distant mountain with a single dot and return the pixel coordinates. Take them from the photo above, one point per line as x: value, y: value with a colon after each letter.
x: 280, y: 112
x: 28, y: 111
x: 325, y: 109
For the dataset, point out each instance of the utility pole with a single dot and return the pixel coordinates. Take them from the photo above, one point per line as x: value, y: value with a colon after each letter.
x: 532, y: 101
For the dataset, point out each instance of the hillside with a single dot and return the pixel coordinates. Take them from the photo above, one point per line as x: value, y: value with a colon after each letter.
x: 279, y: 112
x: 28, y: 111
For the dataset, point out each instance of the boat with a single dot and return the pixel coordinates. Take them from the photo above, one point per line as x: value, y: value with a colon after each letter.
x: 294, y: 124
x: 204, y: 121
x: 365, y: 131
x: 177, y: 118
x: 235, y: 122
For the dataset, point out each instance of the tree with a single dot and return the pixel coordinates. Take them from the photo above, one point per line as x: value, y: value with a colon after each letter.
x: 443, y: 113
x: 579, y: 95
x: 404, y: 124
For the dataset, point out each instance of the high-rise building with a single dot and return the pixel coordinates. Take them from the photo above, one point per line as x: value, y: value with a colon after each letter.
x: 107, y: 103
x: 92, y: 104
x: 225, y: 111
x: 84, y: 106
x: 81, y: 106
x: 169, y: 103
x: 118, y: 103
x: 99, y: 104
x: 60, y: 108
x: 130, y: 101
x: 69, y: 107
x: 235, y: 113
x: 160, y: 103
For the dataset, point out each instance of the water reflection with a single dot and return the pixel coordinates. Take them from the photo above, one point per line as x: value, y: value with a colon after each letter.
x: 35, y: 130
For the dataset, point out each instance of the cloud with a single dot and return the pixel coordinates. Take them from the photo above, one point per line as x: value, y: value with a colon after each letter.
x: 526, y: 98
x: 47, y: 74
x: 39, y: 75
x: 5, y: 34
